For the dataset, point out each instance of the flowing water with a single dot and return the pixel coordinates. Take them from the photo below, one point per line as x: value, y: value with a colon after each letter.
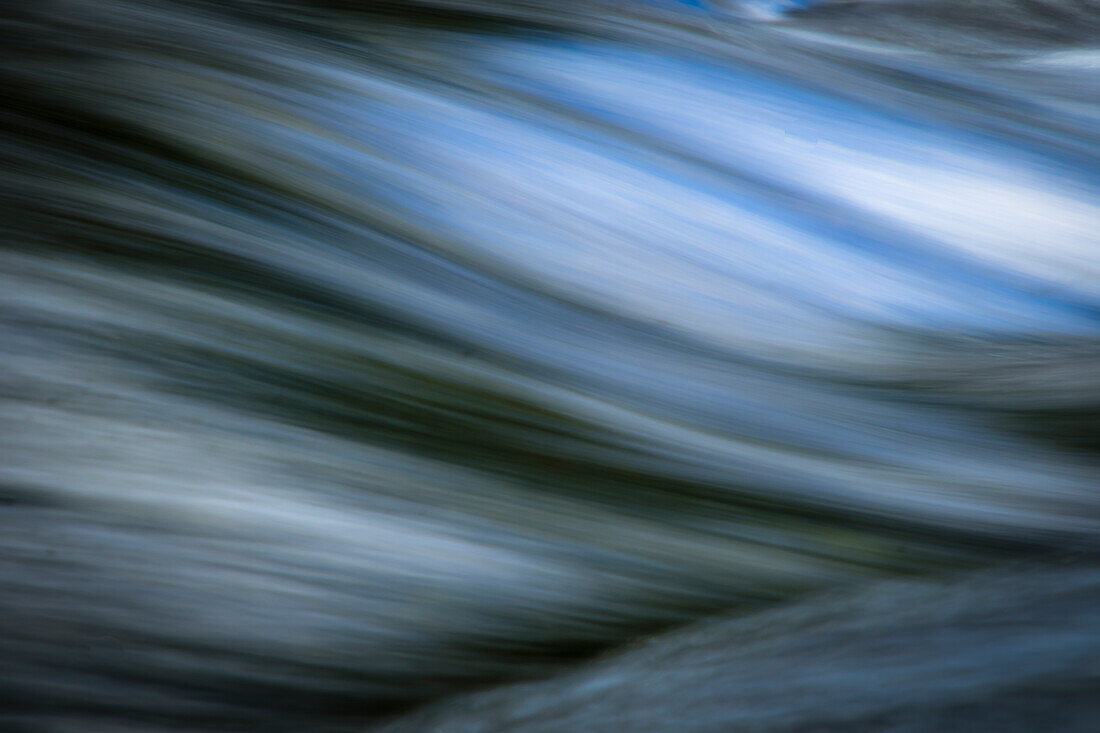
x: 357, y: 354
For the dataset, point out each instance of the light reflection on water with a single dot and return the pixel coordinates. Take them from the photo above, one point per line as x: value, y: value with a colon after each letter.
x: 352, y: 359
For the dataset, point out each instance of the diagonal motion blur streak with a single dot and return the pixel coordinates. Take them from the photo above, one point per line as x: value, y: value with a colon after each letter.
x: 352, y: 355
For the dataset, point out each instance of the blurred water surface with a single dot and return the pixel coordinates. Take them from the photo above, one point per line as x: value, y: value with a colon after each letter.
x: 353, y: 356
